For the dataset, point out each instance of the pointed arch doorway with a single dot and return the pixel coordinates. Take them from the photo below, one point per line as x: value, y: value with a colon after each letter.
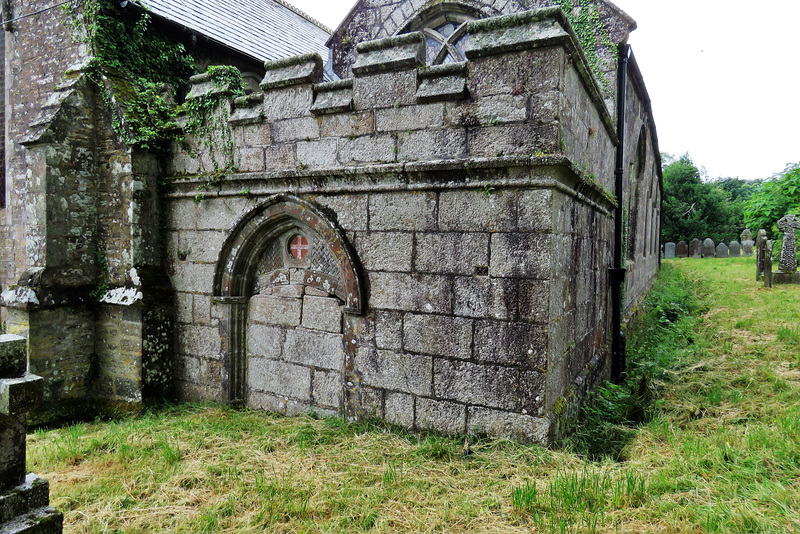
x: 288, y: 292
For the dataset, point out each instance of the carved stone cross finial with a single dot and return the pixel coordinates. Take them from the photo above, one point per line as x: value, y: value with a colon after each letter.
x: 789, y: 225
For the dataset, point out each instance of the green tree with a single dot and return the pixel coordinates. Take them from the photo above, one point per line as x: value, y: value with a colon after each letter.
x: 694, y: 208
x: 777, y: 196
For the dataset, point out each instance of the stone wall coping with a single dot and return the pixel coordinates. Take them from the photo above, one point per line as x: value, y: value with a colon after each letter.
x: 419, y: 175
x: 446, y: 69
x: 333, y: 97
x: 537, y: 28
x: 295, y: 70
x: 390, y: 42
x: 391, y: 53
x: 336, y: 85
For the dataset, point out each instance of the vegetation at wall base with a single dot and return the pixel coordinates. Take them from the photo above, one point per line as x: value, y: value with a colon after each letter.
x: 716, y: 447
x: 659, y: 336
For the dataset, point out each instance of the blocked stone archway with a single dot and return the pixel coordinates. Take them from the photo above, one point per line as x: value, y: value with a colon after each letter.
x: 288, y: 288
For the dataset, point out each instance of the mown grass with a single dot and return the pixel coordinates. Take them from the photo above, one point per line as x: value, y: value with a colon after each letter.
x: 702, y: 436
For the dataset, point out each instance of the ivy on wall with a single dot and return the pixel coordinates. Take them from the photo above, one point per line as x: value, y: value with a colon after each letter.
x: 591, y: 32
x: 136, y: 70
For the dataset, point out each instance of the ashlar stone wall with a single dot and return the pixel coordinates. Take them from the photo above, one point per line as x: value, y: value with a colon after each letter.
x: 453, y: 232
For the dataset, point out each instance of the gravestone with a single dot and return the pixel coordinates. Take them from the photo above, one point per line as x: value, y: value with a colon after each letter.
x: 24, y: 498
x: 682, y: 249
x: 669, y: 251
x: 747, y: 242
x: 761, y: 243
x: 766, y: 251
x: 696, y: 248
x: 709, y: 250
x: 722, y: 250
x: 734, y: 249
x: 787, y: 268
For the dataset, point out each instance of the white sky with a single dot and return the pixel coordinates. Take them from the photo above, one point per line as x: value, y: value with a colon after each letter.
x: 723, y: 77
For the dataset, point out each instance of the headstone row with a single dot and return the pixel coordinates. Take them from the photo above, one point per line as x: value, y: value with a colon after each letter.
x: 706, y: 249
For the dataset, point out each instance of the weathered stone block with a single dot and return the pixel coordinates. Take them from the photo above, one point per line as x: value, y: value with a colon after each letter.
x: 520, y: 255
x: 349, y: 211
x: 457, y: 253
x: 294, y: 129
x: 270, y: 309
x: 431, y: 144
x: 389, y: 330
x: 301, y: 69
x: 318, y: 153
x: 322, y: 313
x: 438, y: 335
x: 384, y: 90
x: 442, y: 82
x: 473, y: 211
x: 514, y: 139
x: 377, y: 148
x: 265, y: 341
x: 473, y: 383
x: 402, y: 211
x: 294, y: 101
x: 385, y: 251
x: 314, y: 348
x: 399, y: 409
x: 485, y: 421
x: 32, y: 493
x: 203, y: 341
x: 409, y: 117
x: 12, y: 453
x: 327, y: 388
x: 421, y: 293
x: 441, y: 416
x: 504, y: 343
x: 398, y: 52
x: 20, y: 395
x: 347, y: 124
x: 13, y: 356
x: 537, y: 211
x: 481, y: 296
x: 396, y: 371
x: 333, y: 97
x: 279, y: 378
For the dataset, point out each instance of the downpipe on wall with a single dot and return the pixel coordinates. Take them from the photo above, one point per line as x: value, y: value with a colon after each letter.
x: 616, y: 273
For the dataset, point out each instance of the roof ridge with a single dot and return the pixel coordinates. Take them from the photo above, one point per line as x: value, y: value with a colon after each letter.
x: 303, y: 14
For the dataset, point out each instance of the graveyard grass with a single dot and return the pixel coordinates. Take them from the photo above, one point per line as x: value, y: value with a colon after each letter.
x: 704, y: 436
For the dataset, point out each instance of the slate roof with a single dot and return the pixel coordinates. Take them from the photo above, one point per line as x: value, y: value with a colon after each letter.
x: 263, y: 29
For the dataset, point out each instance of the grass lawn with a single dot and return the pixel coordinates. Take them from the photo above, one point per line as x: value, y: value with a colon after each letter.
x: 704, y: 436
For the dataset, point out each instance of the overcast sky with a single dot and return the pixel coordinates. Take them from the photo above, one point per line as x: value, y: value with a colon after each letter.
x: 723, y: 77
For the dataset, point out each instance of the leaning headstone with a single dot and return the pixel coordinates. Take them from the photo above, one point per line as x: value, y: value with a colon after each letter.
x: 787, y: 268
x: 734, y: 249
x: 722, y: 250
x: 682, y: 249
x: 761, y: 244
x: 669, y: 250
x: 696, y: 248
x: 709, y: 250
x: 24, y: 498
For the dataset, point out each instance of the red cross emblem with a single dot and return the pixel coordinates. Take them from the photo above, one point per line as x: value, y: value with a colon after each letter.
x: 298, y: 247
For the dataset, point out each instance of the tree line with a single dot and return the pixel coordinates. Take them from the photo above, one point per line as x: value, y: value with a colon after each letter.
x: 720, y: 209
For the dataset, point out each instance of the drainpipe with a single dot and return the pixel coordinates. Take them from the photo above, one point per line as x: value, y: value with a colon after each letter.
x: 617, y: 272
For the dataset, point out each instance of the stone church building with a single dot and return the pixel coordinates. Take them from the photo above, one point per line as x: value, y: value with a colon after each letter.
x: 438, y: 214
